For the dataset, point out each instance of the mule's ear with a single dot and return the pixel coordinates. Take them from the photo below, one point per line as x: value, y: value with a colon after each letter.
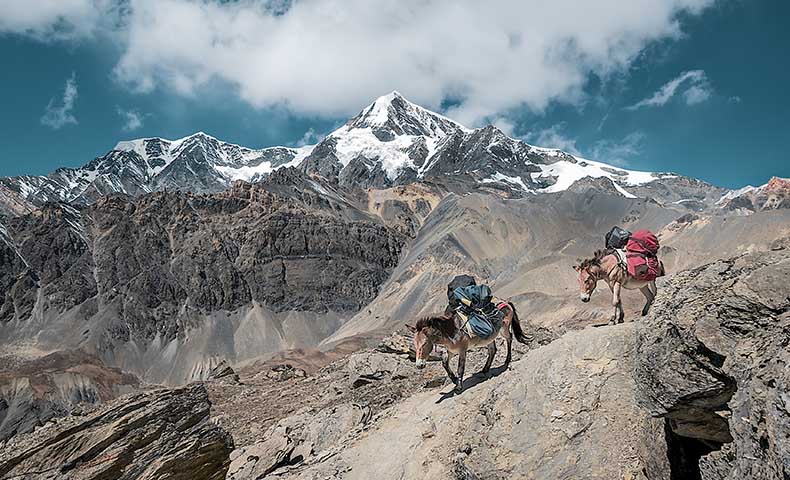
x: 411, y: 329
x: 577, y: 268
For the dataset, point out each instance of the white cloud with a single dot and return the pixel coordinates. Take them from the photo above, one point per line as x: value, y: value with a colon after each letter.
x: 618, y: 152
x: 698, y: 90
x: 132, y: 119
x: 49, y: 20
x: 734, y: 99
x: 331, y: 57
x: 553, y: 137
x: 310, y: 137
x: 59, y: 116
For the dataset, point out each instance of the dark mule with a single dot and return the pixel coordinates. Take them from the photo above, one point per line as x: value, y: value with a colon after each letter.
x: 449, y: 331
x: 605, y: 265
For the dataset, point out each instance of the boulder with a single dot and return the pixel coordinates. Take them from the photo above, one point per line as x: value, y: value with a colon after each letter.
x: 295, y: 439
x: 223, y: 371
x: 151, y: 435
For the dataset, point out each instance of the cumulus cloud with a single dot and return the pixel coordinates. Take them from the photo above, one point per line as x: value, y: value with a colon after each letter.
x: 553, y: 137
x: 57, y: 116
x: 132, y: 119
x: 331, y: 57
x: 619, y: 152
x: 49, y: 20
x: 698, y: 90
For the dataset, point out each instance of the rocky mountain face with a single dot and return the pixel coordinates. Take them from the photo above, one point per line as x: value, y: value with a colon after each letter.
x: 134, y: 280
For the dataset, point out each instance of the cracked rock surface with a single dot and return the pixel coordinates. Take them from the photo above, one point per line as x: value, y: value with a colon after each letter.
x: 563, y: 410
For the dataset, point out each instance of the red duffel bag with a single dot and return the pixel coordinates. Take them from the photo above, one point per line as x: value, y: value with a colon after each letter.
x: 641, y: 253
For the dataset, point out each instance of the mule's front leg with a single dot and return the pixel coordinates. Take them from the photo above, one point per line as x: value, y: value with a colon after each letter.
x: 459, y: 384
x: 446, y: 356
x: 491, y: 353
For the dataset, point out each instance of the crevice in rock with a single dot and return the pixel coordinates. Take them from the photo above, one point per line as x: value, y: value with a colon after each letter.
x: 684, y: 454
x: 692, y: 432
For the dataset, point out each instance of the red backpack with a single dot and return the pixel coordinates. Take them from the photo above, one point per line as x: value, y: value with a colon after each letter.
x: 641, y: 251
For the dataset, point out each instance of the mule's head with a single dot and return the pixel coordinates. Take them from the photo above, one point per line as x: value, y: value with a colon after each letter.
x: 425, y: 336
x: 587, y: 282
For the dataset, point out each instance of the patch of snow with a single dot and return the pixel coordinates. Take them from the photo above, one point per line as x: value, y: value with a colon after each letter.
x: 247, y: 173
x: 500, y: 177
x: 568, y: 172
x: 622, y: 191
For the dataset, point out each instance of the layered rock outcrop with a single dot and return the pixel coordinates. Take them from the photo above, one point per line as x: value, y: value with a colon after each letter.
x: 714, y: 361
x: 152, y: 435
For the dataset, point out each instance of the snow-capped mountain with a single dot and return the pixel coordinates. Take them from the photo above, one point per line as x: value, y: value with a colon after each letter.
x: 394, y: 141
x: 391, y: 142
x: 771, y: 196
x: 199, y: 163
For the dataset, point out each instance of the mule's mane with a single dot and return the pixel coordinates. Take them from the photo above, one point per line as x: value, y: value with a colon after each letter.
x: 596, y: 260
x: 445, y: 325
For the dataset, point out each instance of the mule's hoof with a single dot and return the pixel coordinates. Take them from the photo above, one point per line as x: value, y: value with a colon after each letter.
x: 458, y: 389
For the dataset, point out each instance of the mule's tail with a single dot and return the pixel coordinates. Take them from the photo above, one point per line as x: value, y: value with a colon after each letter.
x: 516, y: 325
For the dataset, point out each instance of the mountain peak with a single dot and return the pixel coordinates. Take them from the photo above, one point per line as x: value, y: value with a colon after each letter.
x: 392, y: 115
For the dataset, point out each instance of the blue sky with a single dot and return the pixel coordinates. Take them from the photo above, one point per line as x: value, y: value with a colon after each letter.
x: 697, y: 87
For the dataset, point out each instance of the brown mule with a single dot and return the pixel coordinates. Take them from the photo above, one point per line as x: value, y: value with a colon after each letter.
x: 605, y: 265
x: 449, y: 331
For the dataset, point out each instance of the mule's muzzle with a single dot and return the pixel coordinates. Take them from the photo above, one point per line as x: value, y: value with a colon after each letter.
x: 420, y: 363
x: 584, y: 298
